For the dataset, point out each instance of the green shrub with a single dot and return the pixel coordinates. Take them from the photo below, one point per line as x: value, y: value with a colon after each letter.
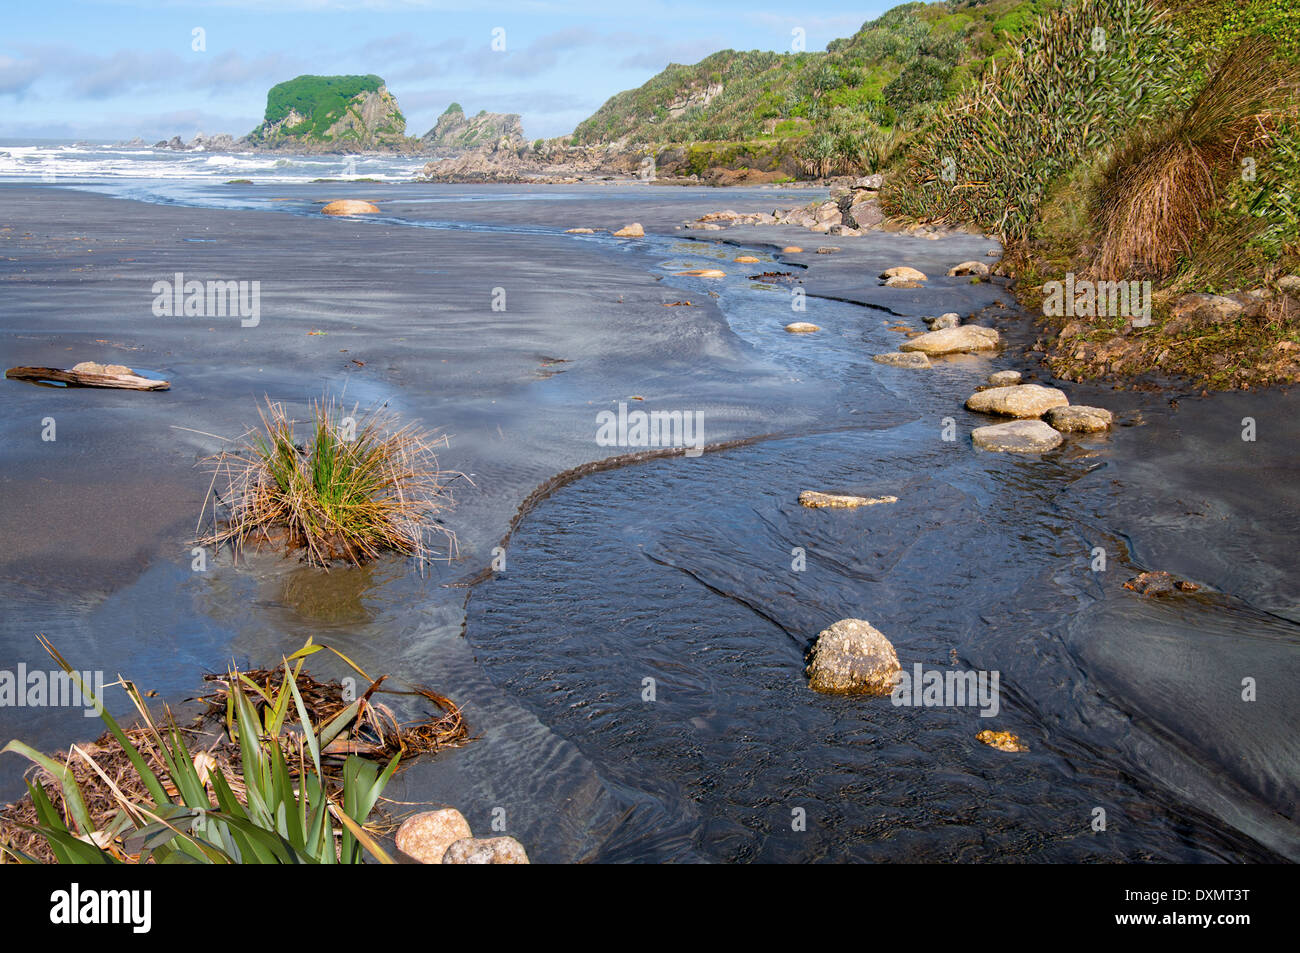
x: 990, y: 154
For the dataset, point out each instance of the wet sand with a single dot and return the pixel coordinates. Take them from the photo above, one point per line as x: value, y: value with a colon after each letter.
x: 97, y: 523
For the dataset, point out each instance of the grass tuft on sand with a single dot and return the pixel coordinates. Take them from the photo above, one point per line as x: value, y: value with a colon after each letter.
x: 362, y: 486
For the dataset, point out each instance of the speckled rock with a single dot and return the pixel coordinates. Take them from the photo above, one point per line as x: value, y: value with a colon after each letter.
x: 1002, y: 740
x: 1018, y: 436
x: 1004, y: 378
x: 1018, y: 400
x: 1079, y: 419
x: 486, y: 850
x: 949, y: 320
x: 898, y: 359
x: 958, y: 340
x: 853, y: 658
x: 91, y: 367
x: 815, y: 500
x: 425, y: 837
x: 1158, y: 583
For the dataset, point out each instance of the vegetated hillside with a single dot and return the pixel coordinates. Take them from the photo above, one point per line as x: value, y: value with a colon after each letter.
x: 1164, y: 149
x: 343, y: 111
x: 838, y: 111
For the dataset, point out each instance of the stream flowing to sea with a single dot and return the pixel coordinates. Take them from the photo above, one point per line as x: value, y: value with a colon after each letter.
x: 636, y: 671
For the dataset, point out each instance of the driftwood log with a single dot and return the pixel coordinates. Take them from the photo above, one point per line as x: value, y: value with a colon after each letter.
x: 88, y: 374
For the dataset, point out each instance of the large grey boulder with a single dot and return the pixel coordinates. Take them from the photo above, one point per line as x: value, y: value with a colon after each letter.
x: 853, y: 658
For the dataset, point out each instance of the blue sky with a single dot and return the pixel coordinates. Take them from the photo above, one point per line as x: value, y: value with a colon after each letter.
x: 113, y: 69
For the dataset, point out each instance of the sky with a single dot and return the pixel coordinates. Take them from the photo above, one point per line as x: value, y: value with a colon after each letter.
x: 108, y: 70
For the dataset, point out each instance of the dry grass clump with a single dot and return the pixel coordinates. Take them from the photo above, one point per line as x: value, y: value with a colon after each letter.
x: 363, y: 485
x: 1161, y: 188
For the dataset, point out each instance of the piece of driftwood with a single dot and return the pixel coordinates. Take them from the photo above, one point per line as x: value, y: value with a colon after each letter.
x: 88, y: 374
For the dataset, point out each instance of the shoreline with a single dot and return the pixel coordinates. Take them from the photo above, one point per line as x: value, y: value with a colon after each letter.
x: 826, y: 275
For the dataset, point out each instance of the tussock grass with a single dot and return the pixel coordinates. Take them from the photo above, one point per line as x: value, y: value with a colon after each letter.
x: 1162, y: 185
x: 1065, y: 93
x: 363, y: 485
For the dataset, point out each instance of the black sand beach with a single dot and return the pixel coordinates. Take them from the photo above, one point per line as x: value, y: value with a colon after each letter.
x: 677, y: 569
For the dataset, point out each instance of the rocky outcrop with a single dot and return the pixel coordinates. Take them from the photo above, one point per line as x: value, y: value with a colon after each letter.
x: 332, y: 114
x: 1018, y: 436
x: 541, y: 163
x: 222, y: 142
x: 454, y: 133
x: 853, y: 658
